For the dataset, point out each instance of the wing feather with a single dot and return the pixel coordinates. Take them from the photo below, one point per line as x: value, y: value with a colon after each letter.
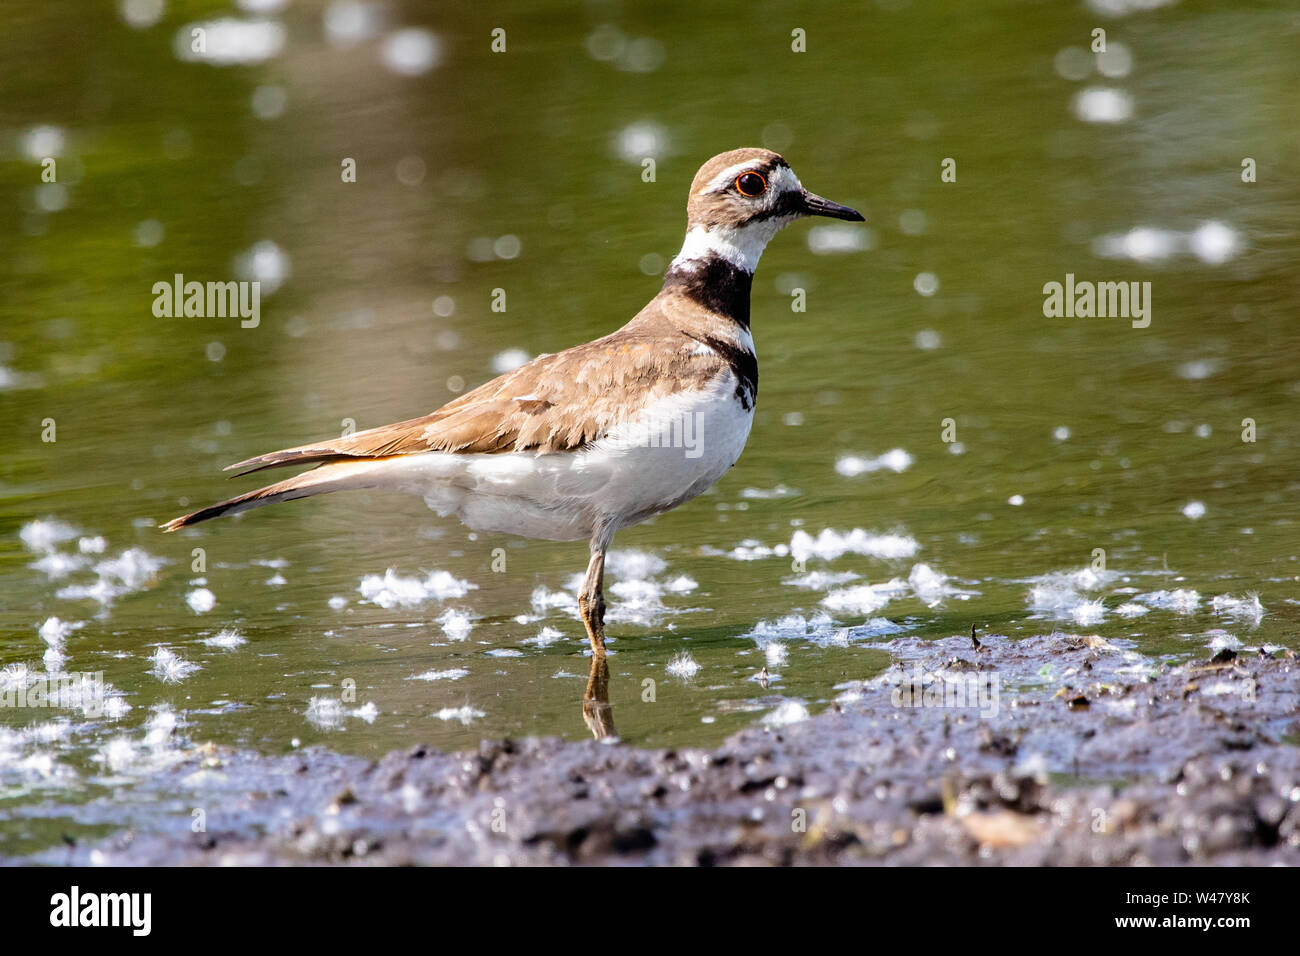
x: 556, y: 402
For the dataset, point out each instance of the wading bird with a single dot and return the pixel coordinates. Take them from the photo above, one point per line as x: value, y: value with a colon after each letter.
x: 584, y: 442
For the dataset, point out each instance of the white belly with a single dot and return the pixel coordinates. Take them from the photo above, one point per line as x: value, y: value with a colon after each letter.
x: 680, y: 447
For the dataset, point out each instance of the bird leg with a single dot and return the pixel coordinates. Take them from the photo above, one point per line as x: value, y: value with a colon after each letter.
x: 591, y: 599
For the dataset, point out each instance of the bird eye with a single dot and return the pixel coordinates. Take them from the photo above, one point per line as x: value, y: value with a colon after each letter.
x: 751, y: 184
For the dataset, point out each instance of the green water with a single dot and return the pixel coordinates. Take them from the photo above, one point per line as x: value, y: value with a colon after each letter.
x: 1106, y: 432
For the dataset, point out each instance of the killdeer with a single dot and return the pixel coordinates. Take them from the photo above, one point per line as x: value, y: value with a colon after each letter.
x: 582, y: 443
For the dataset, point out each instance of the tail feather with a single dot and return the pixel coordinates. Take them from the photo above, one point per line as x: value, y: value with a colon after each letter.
x: 289, y: 458
x: 319, y: 481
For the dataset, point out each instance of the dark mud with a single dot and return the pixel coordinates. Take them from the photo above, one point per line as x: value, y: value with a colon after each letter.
x: 1092, y: 755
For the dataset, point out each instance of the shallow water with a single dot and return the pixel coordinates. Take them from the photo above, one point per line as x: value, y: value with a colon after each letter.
x: 985, y: 451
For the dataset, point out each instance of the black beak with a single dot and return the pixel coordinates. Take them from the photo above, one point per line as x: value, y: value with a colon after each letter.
x: 813, y: 205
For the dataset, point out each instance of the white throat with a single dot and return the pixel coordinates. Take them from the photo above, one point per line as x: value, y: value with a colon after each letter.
x: 742, y: 246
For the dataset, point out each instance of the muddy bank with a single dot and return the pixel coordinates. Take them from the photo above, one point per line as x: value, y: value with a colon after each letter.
x: 1065, y: 750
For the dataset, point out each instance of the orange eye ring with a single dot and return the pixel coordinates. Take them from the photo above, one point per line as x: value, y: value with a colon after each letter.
x: 746, y: 186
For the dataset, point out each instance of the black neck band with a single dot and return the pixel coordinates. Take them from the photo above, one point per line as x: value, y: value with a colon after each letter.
x: 715, y: 284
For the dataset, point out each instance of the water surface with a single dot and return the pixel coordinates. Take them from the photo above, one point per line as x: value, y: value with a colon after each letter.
x: 1005, y: 469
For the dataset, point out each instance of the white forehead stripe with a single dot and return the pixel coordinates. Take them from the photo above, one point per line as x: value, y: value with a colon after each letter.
x: 779, y: 180
x: 784, y: 180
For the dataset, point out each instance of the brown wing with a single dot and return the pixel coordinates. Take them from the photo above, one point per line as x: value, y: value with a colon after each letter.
x: 555, y: 402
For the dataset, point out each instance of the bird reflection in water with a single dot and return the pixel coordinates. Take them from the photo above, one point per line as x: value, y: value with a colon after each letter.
x: 596, y: 710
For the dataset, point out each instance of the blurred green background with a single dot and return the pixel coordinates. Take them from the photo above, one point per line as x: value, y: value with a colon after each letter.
x: 522, y: 170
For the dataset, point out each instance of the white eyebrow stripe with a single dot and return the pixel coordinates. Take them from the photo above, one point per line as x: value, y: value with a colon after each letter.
x: 725, y: 177
x: 780, y: 179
